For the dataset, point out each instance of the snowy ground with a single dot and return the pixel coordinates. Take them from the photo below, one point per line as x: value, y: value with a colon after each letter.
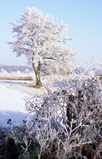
x: 12, y: 103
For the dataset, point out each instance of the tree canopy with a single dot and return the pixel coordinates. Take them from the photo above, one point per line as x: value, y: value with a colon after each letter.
x: 42, y: 39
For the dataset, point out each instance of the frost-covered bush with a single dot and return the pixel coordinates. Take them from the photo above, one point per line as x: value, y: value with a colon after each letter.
x: 69, y: 118
x: 67, y: 122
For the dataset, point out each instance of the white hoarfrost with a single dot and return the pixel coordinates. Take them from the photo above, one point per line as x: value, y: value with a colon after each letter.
x: 17, y: 74
x: 69, y: 117
x: 63, y: 120
x: 43, y: 39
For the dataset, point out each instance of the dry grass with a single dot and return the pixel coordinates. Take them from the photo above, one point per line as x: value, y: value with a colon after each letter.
x: 17, y: 78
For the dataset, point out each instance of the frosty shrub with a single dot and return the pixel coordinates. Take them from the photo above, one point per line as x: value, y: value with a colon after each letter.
x: 69, y: 118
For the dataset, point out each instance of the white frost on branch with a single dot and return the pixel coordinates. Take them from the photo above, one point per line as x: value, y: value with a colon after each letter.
x: 42, y: 37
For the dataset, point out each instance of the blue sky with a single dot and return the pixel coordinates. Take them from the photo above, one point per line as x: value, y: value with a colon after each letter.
x: 84, y: 19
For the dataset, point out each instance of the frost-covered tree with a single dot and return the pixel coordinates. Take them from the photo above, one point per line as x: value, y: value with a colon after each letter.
x: 43, y: 40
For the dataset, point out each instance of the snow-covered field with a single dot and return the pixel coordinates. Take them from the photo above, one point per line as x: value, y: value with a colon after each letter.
x: 14, y: 92
x: 12, y: 103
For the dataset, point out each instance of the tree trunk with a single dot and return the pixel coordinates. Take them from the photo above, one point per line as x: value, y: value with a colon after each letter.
x: 38, y: 80
x: 37, y: 72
